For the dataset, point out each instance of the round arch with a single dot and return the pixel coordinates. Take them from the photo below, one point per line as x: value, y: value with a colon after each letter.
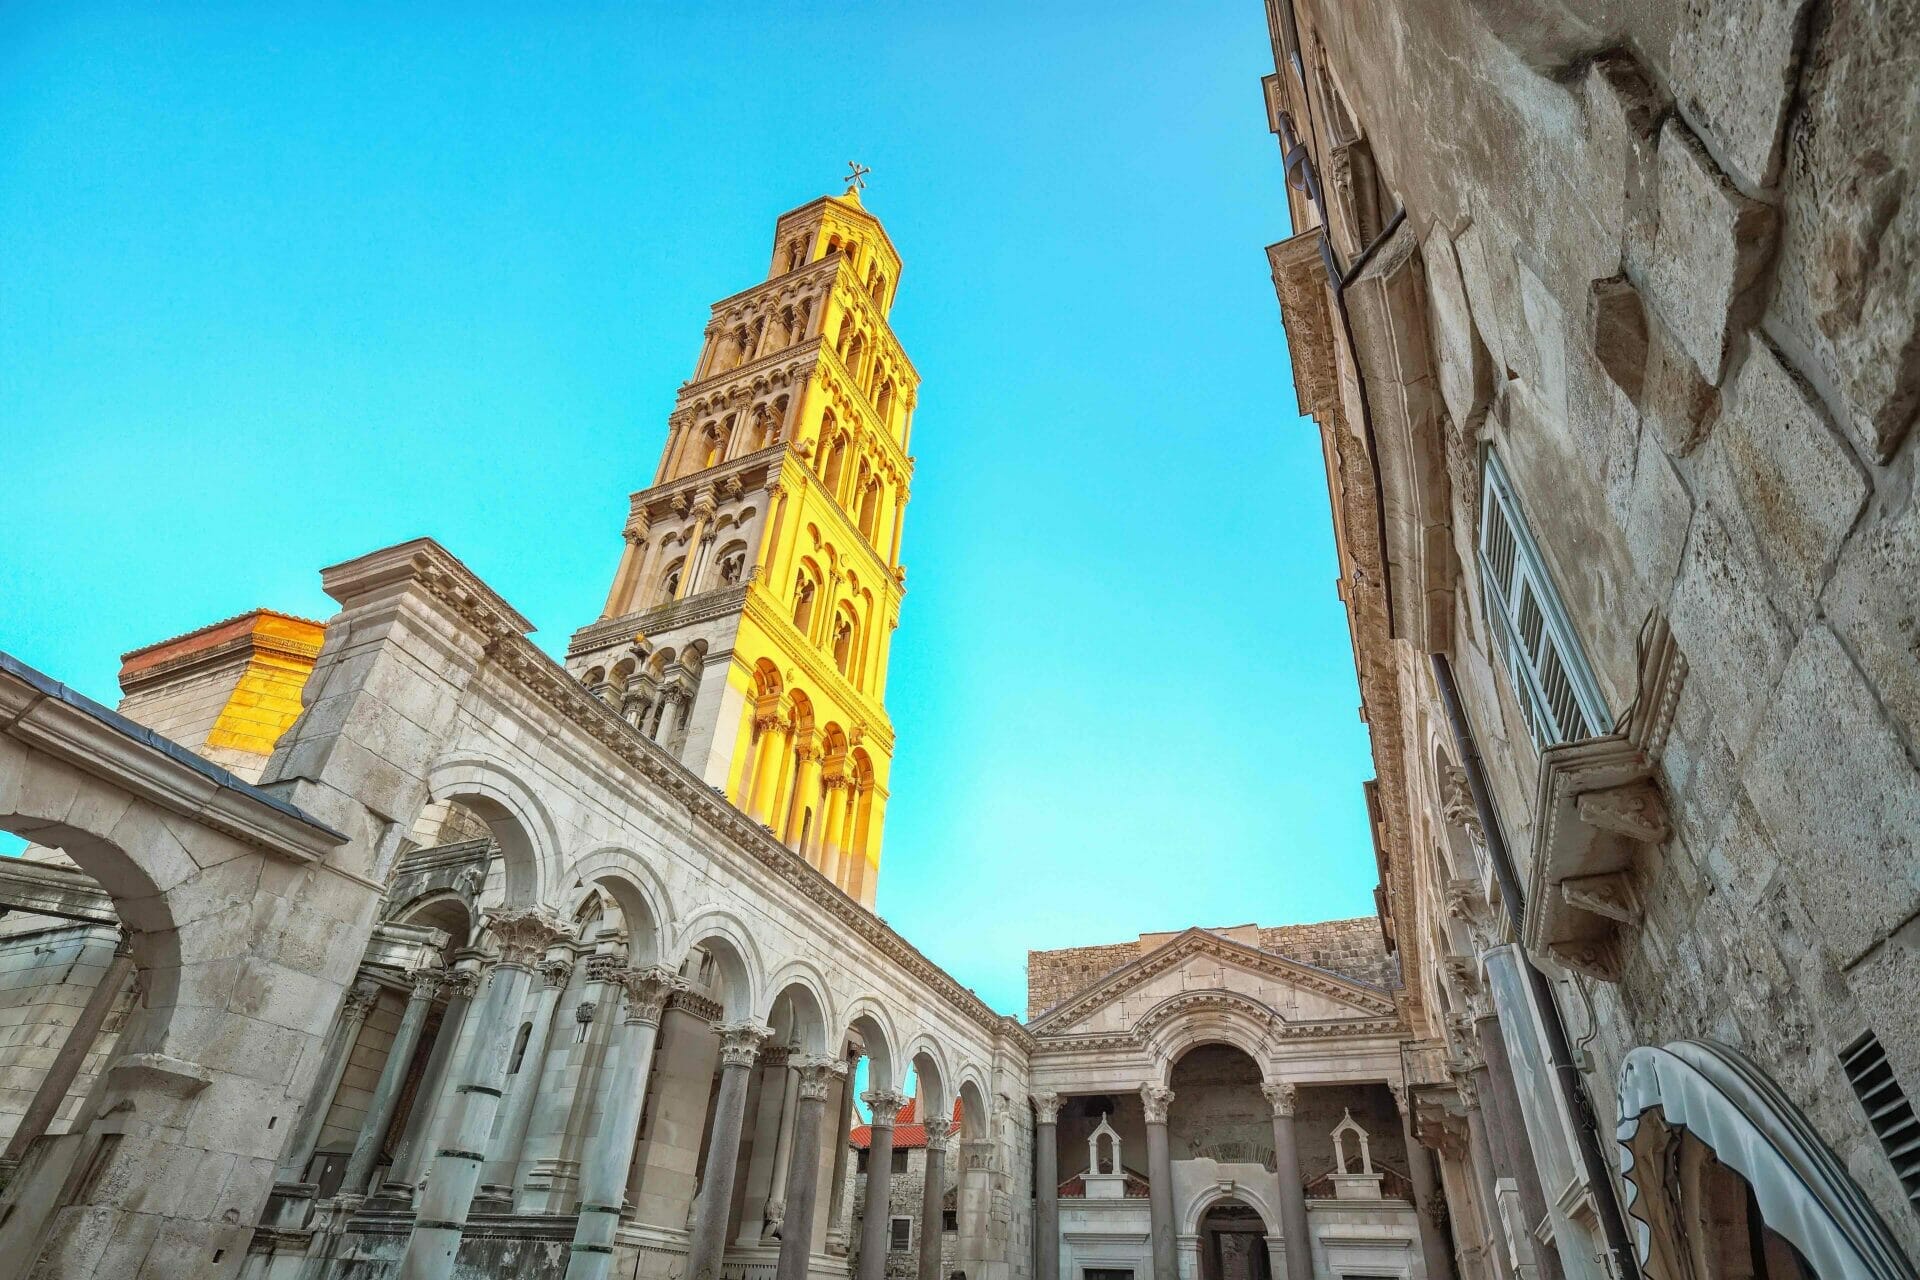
x: 528, y: 839
x: 799, y: 1005
x: 1186, y: 1021
x: 975, y: 1114
x: 445, y: 909
x: 1219, y: 1194
x: 639, y: 892
x: 869, y: 1019
x: 930, y: 1074
x: 722, y: 935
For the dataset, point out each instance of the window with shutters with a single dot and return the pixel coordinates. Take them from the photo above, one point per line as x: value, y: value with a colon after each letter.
x: 1888, y: 1111
x: 1549, y: 674
x: 901, y: 1236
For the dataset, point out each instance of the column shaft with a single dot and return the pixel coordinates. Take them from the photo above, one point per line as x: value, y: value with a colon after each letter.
x: 776, y: 1208
x: 66, y: 1064
x: 1493, y: 1238
x: 386, y: 1093
x: 1046, y: 1174
x: 1435, y: 1248
x: 933, y: 1193
x: 503, y: 1158
x: 333, y: 1068
x: 603, y: 1183
x: 803, y: 1171
x: 1512, y: 1148
x: 837, y: 1193
x: 1293, y: 1192
x: 423, y: 1120
x: 740, y: 1044
x: 1160, y: 1203
x: 874, y: 1223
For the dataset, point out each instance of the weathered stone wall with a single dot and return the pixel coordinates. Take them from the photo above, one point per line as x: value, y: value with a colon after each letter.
x: 905, y: 1190
x: 48, y: 970
x: 1663, y: 262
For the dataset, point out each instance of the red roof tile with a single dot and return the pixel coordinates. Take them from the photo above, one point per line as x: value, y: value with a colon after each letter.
x: 908, y: 1133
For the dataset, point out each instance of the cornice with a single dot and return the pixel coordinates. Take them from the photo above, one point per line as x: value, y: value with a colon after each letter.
x: 1300, y: 280
x: 1201, y: 942
x: 659, y: 620
x: 754, y: 376
x: 787, y: 279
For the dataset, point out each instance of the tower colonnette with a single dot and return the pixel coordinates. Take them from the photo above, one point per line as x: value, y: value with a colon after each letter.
x: 747, y: 627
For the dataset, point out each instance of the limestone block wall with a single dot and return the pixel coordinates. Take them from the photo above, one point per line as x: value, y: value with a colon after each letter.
x: 1673, y: 284
x: 48, y: 970
x: 905, y: 1189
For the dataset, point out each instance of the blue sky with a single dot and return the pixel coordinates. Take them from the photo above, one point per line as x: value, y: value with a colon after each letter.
x: 287, y: 283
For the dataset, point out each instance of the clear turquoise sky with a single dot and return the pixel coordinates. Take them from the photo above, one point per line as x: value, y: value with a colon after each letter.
x: 282, y: 284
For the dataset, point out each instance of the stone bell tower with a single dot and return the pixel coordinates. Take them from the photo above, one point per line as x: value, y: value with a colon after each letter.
x: 748, y: 623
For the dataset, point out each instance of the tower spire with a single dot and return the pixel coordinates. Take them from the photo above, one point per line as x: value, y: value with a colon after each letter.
x: 749, y: 620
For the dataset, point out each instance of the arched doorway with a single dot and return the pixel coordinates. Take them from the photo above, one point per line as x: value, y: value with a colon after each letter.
x: 1233, y: 1243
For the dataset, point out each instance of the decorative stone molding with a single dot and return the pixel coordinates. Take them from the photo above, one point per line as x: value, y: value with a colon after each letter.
x: 461, y: 982
x: 359, y: 1000
x: 1156, y: 1098
x: 817, y: 1075
x: 648, y: 991
x: 884, y: 1105
x: 556, y: 971
x: 1046, y: 1106
x: 524, y: 934
x: 1281, y: 1097
x: 1456, y: 803
x: 1598, y: 809
x: 740, y: 1041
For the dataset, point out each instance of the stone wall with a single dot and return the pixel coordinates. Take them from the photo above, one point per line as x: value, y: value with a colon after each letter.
x: 905, y: 1190
x: 48, y: 970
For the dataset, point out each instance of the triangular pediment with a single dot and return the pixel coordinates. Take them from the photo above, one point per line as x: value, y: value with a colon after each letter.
x: 1200, y: 969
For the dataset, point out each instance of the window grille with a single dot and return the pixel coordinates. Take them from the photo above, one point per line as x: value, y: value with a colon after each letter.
x: 1549, y: 674
x: 901, y: 1236
x: 1888, y: 1110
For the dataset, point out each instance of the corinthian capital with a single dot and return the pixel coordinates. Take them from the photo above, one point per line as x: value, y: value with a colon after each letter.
x: 817, y: 1074
x: 427, y: 982
x: 523, y: 934
x: 884, y: 1106
x: 740, y: 1041
x: 648, y: 991
x: 939, y: 1133
x: 1281, y: 1097
x: 1156, y: 1098
x: 1046, y: 1106
x: 359, y: 1000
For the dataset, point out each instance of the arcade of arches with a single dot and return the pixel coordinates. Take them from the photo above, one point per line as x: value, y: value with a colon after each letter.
x: 391, y: 947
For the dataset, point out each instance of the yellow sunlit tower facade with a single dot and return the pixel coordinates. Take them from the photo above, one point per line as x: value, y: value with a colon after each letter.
x: 748, y: 623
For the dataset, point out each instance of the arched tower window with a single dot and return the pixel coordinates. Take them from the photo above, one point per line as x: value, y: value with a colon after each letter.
x: 803, y: 593
x: 844, y: 631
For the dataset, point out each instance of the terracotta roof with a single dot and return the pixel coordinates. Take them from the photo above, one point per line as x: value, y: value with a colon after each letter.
x: 908, y: 1132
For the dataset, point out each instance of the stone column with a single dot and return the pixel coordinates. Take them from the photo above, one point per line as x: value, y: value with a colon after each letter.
x: 837, y: 1196
x: 1293, y: 1192
x: 620, y: 598
x: 354, y: 1009
x: 1046, y: 1191
x: 933, y: 1192
x: 816, y: 1076
x: 766, y: 765
x: 806, y: 790
x: 703, y: 508
x: 884, y: 1106
x: 833, y: 827
x: 1483, y: 1176
x: 517, y: 1108
x: 739, y: 1045
x: 461, y: 985
x: 522, y: 936
x: 1156, y: 1098
x: 66, y: 1064
x: 393, y: 1077
x: 603, y: 1183
x: 776, y: 1208
x: 1434, y: 1246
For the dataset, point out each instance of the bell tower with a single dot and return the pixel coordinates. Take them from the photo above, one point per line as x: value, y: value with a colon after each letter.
x: 747, y: 627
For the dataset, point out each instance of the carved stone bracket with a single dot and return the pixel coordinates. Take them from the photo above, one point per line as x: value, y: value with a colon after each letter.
x: 1599, y: 809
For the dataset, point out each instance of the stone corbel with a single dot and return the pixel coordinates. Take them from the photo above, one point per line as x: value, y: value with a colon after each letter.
x: 1598, y: 811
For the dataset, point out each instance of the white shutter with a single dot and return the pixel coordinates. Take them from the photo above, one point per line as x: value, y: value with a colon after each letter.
x: 1545, y: 665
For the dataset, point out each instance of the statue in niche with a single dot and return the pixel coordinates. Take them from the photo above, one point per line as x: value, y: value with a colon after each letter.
x: 733, y: 568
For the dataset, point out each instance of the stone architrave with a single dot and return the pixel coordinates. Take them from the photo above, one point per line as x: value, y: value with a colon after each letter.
x: 523, y: 936
x: 740, y: 1044
x: 817, y: 1077
x: 884, y: 1106
x: 933, y: 1190
x: 603, y: 1184
x: 1046, y: 1176
x: 1156, y: 1099
x: 1282, y: 1097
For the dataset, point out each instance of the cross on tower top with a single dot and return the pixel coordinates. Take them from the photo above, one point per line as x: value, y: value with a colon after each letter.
x: 856, y: 176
